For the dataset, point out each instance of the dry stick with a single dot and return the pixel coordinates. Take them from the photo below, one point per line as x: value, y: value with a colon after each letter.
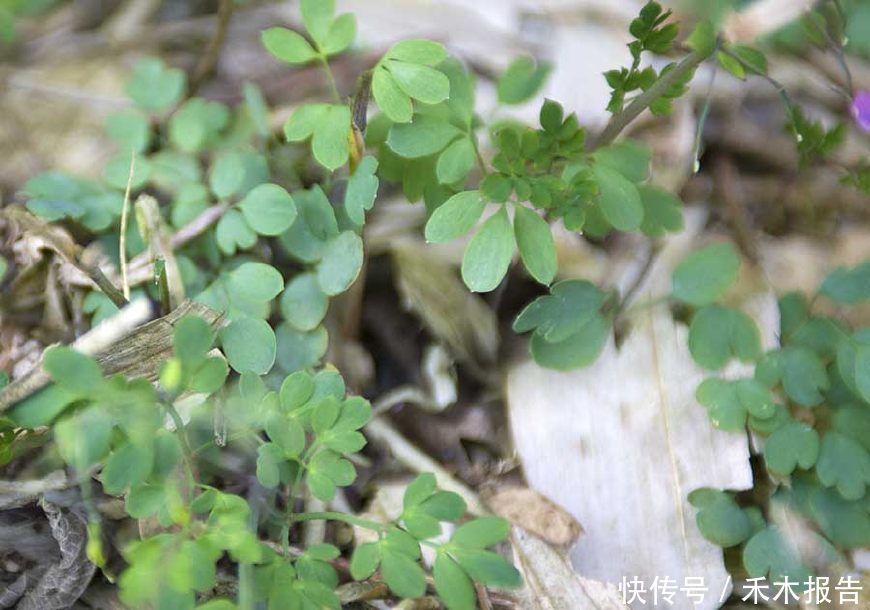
x: 620, y: 121
x: 209, y: 59
x: 122, y: 242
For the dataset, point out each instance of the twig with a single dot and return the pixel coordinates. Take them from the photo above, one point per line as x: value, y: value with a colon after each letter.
x: 209, y: 59
x: 727, y: 183
x: 122, y: 242
x: 620, y: 121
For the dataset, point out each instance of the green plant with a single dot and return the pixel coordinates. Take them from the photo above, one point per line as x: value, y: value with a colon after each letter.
x: 807, y: 404
x: 236, y: 206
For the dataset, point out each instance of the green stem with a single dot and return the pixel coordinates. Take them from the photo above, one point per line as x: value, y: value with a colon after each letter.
x: 343, y: 517
x: 620, y: 121
x: 186, y: 451
x: 330, y: 78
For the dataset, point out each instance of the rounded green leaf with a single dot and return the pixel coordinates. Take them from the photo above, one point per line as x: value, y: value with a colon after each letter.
x: 793, y: 445
x: 392, y: 101
x: 192, y: 338
x: 719, y: 518
x: 843, y: 463
x: 453, y: 586
x: 769, y: 553
x: 249, y: 345
x: 420, y: 82
x: 455, y: 161
x: 72, y: 370
x: 717, y: 334
x: 340, y: 264
x: 210, y: 376
x: 418, y: 51
x: 127, y: 466
x: 155, y: 87
x: 341, y: 34
x: 577, y: 350
x: 295, y: 391
x: 804, y: 376
x: 403, y: 575
x: 303, y: 303
x: 454, y: 217
x: 705, y: 275
x: 299, y: 350
x: 365, y: 560
x: 130, y: 129
x: 226, y: 175
x: 848, y: 285
x: 536, y: 245
x: 488, y: 255
x: 487, y: 568
x: 425, y: 136
x: 232, y: 232
x: 619, y: 199
x: 629, y: 157
x: 362, y: 188
x: 570, y: 304
x: 317, y: 17
x: 662, y: 211
x: 269, y: 209
x: 522, y: 79
x: 288, y: 46
x: 481, y: 532
x: 329, y: 144
x: 256, y: 281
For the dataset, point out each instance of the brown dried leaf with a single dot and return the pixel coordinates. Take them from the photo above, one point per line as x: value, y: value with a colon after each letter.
x: 535, y: 513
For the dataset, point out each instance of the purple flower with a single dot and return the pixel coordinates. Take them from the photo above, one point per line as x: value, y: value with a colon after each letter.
x: 861, y: 109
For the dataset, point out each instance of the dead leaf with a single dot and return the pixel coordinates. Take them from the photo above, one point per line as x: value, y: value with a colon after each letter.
x: 535, y: 513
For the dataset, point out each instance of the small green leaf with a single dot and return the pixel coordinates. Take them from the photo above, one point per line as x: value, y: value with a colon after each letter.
x: 662, y: 211
x: 848, y: 285
x: 342, y: 32
x: 706, y: 274
x: 488, y: 255
x: 536, y: 245
x: 393, y: 102
x: 454, y: 217
x: 288, y: 46
x: 577, y: 350
x: 256, y: 281
x: 269, y: 209
x: 717, y: 334
x: 803, y: 376
x: 249, y: 344
x: 570, y: 305
x: 453, y: 586
x: 418, y: 51
x: 341, y: 263
x: 719, y: 518
x: 487, y: 568
x: 116, y: 172
x: 226, y: 175
x: 365, y: 560
x: 192, y: 338
x: 793, y: 445
x: 702, y: 40
x: 328, y: 126
x: 419, y: 82
x: 303, y: 303
x: 299, y: 350
x: 296, y: 389
x: 128, y: 466
x: 769, y: 554
x: 425, y: 136
x: 130, y: 129
x: 481, y: 532
x: 522, y: 80
x: 197, y: 124
x: 72, y: 370
x: 232, y: 233
x: 210, y: 376
x: 752, y: 57
x: 720, y: 397
x: 629, y: 157
x: 731, y: 65
x: 403, y: 575
x: 317, y: 16
x: 155, y: 87
x: 843, y: 463
x: 619, y: 199
x: 287, y: 433
x: 455, y: 161
x: 269, y: 456
x: 362, y: 188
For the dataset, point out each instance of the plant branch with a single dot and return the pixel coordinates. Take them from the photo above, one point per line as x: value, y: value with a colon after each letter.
x: 209, y: 59
x: 620, y: 121
x: 122, y: 240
